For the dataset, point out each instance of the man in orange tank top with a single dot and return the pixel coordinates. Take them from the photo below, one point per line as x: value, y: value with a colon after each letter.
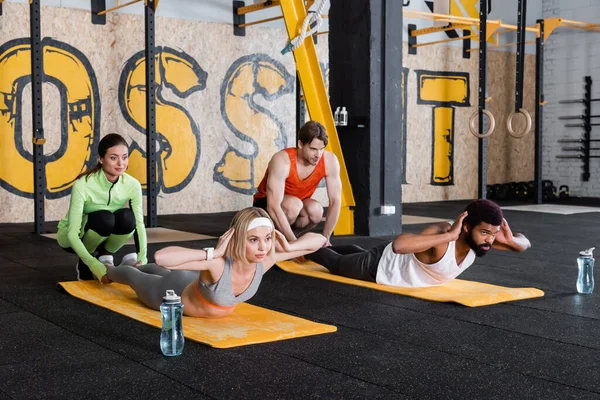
x: 291, y: 179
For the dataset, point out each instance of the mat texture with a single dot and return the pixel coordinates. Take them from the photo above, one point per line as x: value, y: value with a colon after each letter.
x: 248, y: 324
x: 467, y: 293
x: 160, y: 235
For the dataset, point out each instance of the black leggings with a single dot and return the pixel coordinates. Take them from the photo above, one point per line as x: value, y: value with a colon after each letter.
x: 351, y: 261
x: 105, y: 223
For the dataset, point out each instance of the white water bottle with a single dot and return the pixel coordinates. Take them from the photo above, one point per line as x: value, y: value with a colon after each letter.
x: 336, y: 116
x: 344, y: 117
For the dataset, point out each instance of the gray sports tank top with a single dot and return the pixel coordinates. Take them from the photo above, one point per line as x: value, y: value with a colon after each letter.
x: 220, y: 293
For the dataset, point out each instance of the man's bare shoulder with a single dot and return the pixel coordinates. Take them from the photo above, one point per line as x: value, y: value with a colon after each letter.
x: 441, y: 227
x: 279, y: 166
x: 331, y: 161
x: 280, y: 158
x: 329, y: 155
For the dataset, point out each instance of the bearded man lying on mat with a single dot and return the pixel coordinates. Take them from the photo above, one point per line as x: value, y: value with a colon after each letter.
x: 433, y: 257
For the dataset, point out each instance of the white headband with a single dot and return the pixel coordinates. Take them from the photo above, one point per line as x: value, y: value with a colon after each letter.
x: 260, y: 221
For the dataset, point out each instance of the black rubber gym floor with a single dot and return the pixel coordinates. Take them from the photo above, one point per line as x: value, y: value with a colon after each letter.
x: 387, y: 346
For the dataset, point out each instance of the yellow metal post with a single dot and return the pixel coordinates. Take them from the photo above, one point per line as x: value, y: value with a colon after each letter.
x: 445, y: 40
x: 260, y: 21
x: 435, y: 29
x: 550, y: 24
x: 317, y: 103
x: 257, y: 7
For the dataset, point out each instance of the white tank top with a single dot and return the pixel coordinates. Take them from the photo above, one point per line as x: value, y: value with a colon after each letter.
x: 406, y: 270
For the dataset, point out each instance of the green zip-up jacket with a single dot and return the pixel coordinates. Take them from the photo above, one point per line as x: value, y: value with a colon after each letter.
x: 96, y: 193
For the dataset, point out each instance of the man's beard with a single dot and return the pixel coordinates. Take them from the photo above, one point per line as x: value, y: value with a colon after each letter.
x: 480, y: 250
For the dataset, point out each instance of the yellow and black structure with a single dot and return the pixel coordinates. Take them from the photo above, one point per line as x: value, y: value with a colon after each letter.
x: 37, y: 66
x: 366, y: 76
x: 99, y: 11
x: 481, y: 103
x: 314, y: 92
x: 539, y: 104
x: 372, y: 93
x: 520, y: 75
x: 317, y: 103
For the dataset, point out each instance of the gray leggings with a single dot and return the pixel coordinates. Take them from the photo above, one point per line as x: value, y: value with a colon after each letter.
x: 150, y: 282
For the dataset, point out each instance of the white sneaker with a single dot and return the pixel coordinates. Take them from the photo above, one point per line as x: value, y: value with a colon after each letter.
x: 107, y: 260
x: 129, y: 259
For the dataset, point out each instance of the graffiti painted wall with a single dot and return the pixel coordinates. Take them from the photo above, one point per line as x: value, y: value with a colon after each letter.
x: 442, y: 155
x: 442, y: 94
x: 224, y: 105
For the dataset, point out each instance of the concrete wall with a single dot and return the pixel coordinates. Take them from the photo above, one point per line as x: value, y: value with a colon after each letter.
x: 570, y: 55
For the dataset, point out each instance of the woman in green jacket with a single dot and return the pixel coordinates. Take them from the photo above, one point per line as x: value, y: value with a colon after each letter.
x: 98, y: 220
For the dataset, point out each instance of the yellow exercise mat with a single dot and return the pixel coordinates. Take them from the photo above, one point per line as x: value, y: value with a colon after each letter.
x: 467, y: 293
x: 248, y: 324
x: 160, y: 235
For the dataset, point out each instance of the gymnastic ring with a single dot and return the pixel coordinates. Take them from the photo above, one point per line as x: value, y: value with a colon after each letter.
x: 473, y: 128
x: 527, y: 127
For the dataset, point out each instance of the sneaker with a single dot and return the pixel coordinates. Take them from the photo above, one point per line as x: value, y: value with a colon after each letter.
x: 107, y: 260
x: 83, y: 272
x: 129, y: 259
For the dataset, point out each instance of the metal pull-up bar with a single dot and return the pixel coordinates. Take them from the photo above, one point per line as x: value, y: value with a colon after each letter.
x: 577, y: 156
x: 579, y: 148
x: 119, y: 6
x: 576, y: 101
x: 581, y: 125
x: 577, y: 117
x: 457, y: 22
x: 260, y: 21
x: 239, y: 12
x: 577, y: 140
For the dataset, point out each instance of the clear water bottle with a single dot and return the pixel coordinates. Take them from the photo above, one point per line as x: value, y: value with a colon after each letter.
x: 343, y: 117
x: 171, y: 337
x: 336, y: 116
x: 585, y: 279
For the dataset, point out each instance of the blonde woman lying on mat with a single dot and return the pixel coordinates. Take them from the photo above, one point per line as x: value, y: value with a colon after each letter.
x: 433, y: 257
x: 212, y: 282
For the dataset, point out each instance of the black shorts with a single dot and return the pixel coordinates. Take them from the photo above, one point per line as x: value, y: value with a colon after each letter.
x: 260, y: 203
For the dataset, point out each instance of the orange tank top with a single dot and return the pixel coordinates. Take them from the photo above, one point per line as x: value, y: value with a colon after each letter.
x: 294, y: 186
